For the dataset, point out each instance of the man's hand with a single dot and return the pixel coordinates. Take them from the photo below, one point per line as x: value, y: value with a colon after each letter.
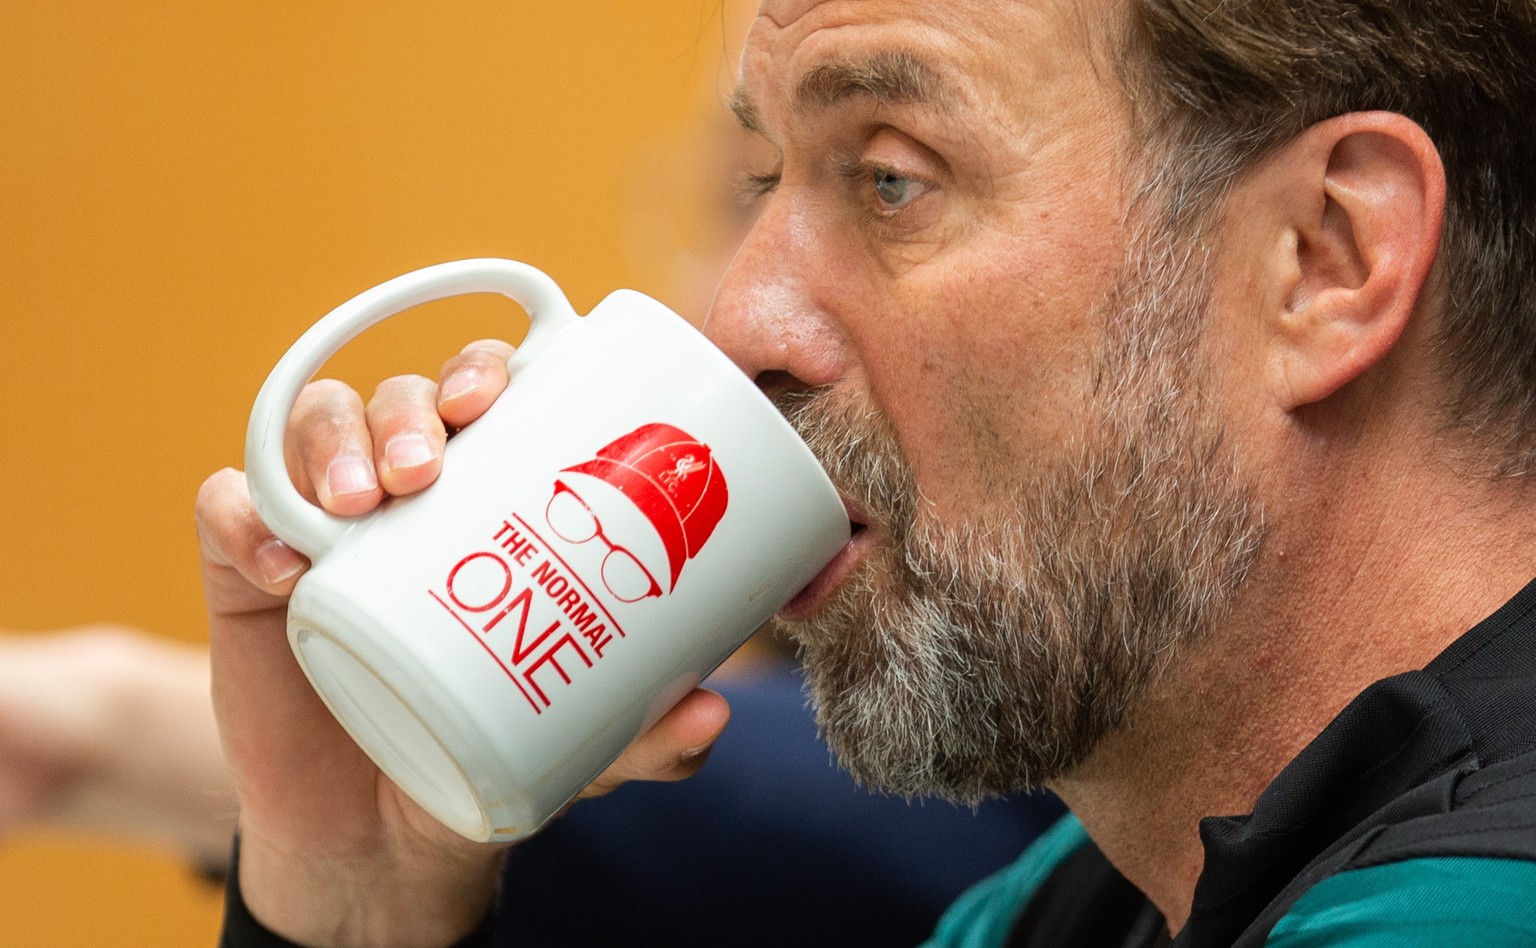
x: 332, y: 853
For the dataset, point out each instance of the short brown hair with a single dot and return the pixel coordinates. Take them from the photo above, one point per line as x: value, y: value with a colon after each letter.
x: 1220, y: 82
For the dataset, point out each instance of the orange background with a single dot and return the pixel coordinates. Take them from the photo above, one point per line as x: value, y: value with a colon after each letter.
x: 184, y: 187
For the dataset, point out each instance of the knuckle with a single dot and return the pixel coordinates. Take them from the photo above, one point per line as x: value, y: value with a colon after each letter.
x: 327, y: 430
x: 327, y: 389
x: 213, y: 493
x: 460, y: 361
x: 325, y: 410
x: 324, y: 398
x: 488, y: 349
x: 225, y: 515
x: 319, y: 440
x: 403, y: 387
x: 400, y: 395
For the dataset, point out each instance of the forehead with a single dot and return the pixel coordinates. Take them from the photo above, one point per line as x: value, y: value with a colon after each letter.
x: 977, y: 54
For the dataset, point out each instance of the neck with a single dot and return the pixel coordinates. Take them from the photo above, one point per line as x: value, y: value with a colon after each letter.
x: 1397, y: 574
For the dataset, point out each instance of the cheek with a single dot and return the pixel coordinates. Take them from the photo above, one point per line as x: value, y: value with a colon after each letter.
x: 985, y: 372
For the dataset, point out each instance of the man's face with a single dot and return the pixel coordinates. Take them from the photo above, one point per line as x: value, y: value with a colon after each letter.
x: 937, y: 239
x: 951, y: 295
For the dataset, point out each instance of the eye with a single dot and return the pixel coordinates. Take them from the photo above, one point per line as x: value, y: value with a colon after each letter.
x: 893, y: 190
x: 882, y: 189
x: 751, y: 188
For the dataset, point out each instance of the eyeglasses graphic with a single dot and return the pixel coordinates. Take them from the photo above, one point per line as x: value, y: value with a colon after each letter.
x: 574, y: 522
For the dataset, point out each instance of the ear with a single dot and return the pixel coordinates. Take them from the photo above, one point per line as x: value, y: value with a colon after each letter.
x: 1361, y: 198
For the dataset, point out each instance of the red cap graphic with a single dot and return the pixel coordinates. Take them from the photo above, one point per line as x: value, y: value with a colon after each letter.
x: 672, y: 477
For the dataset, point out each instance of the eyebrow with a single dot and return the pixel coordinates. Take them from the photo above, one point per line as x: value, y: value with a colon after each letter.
x: 745, y: 110
x: 890, y: 77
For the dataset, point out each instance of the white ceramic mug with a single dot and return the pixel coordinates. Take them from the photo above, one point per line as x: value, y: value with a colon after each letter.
x: 624, y: 516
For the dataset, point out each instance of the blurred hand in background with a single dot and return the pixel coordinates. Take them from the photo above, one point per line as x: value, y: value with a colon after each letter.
x: 108, y: 730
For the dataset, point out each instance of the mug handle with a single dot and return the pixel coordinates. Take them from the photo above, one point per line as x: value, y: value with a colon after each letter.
x: 300, y: 524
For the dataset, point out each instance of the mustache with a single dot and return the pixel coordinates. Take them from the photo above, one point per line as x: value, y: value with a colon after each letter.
x: 856, y: 444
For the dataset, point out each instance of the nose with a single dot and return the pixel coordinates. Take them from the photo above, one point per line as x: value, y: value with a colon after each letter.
x: 770, y: 312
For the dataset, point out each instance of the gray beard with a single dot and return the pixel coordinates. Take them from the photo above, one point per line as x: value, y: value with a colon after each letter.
x: 973, y: 659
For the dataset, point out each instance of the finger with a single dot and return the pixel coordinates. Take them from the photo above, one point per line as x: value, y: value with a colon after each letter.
x: 674, y: 748
x: 471, y: 381
x: 245, y: 565
x: 408, y: 435
x: 330, y: 454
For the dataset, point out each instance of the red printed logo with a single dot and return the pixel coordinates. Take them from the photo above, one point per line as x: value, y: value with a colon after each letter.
x: 628, y: 521
x: 671, y: 478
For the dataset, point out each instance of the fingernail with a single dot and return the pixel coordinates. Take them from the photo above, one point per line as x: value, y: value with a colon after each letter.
x: 460, y: 383
x: 350, y: 475
x: 693, y: 753
x: 278, y: 561
x: 409, y: 450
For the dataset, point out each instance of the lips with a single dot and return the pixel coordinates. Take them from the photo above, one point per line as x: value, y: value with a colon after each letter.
x: 826, y: 583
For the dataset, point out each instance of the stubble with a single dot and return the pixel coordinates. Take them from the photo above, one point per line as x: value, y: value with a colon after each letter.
x: 974, y: 658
